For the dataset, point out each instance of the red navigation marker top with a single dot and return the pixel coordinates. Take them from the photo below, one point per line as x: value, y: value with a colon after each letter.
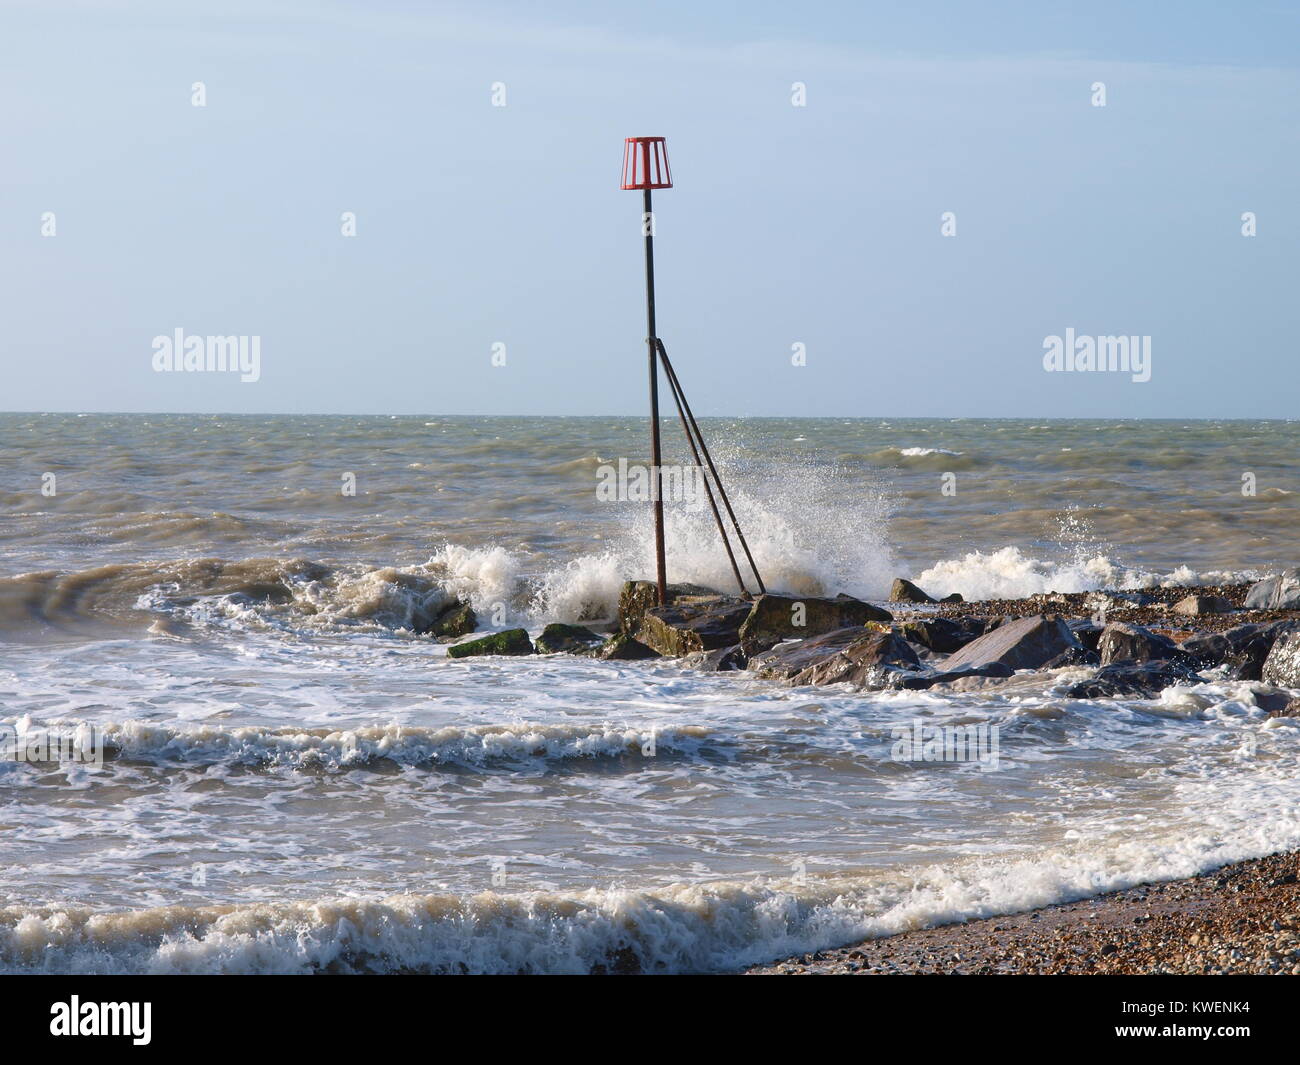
x: 645, y: 164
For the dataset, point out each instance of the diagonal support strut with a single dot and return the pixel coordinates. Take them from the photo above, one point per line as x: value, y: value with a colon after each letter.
x: 693, y: 430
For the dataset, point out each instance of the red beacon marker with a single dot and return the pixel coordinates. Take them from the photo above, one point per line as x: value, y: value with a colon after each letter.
x: 645, y: 164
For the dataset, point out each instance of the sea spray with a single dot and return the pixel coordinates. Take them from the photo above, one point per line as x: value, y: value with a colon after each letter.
x: 1010, y: 573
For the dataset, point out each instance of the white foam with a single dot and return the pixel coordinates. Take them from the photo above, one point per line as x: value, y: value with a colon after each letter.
x: 487, y: 576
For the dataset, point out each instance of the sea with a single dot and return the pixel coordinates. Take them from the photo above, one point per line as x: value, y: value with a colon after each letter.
x: 267, y: 767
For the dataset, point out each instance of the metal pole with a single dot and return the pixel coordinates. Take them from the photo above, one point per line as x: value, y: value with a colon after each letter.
x: 652, y: 344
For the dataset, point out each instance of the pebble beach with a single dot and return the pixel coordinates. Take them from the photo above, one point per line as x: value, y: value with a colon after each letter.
x: 1241, y: 919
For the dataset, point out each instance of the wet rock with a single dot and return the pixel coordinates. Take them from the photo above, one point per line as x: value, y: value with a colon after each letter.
x: 955, y: 597
x: 943, y: 635
x: 719, y: 660
x: 1206, y: 649
x: 636, y: 597
x: 623, y: 648
x: 1291, y: 709
x: 508, y: 642
x: 573, y: 639
x: 922, y: 682
x: 973, y: 680
x: 1074, y: 656
x: 904, y: 591
x: 787, y: 659
x: 1242, y: 648
x: 1282, y: 667
x: 1196, y: 605
x: 1025, y: 643
x: 1276, y: 593
x: 1271, y: 700
x: 1123, y: 642
x: 692, y: 624
x: 774, y: 618
x: 457, y: 620
x: 1135, y: 680
x: 1087, y: 631
x: 874, y: 660
x: 1250, y: 650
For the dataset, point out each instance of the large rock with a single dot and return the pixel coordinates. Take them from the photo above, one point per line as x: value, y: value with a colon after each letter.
x: 508, y: 642
x: 1025, y: 643
x: 636, y: 597
x: 873, y: 660
x: 691, y: 625
x: 1250, y: 649
x: 1282, y: 667
x: 774, y: 618
x: 1134, y: 680
x: 574, y: 639
x: 1123, y: 642
x: 1242, y: 648
x: 904, y: 591
x: 787, y: 659
x: 943, y: 635
x: 1276, y: 593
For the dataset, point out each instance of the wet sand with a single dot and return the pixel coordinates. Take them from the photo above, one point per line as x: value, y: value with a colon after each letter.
x: 1242, y: 918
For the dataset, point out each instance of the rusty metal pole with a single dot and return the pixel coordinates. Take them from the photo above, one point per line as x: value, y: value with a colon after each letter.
x: 652, y: 348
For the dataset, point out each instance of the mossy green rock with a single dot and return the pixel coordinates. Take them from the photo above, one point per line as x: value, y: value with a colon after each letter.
x: 460, y: 620
x: 623, y: 648
x: 783, y: 617
x: 693, y: 625
x: 637, y: 597
x: 571, y: 638
x: 509, y: 642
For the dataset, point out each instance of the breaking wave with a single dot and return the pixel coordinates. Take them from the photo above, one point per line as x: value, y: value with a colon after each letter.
x: 715, y: 927
x: 324, y: 748
x: 812, y: 537
x: 300, y: 595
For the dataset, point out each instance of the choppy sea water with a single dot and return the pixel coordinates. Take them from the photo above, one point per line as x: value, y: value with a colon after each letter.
x: 296, y: 781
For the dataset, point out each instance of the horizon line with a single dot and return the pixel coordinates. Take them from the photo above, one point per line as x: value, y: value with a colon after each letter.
x: 645, y: 415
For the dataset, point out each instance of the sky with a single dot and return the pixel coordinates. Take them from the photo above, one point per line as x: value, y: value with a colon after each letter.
x: 127, y: 212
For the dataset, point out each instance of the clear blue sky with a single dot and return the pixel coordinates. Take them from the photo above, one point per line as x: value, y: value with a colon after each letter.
x: 820, y: 225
